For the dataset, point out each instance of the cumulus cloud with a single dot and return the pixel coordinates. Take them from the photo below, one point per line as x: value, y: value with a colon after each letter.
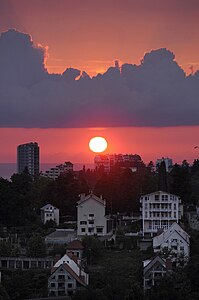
x: 154, y: 93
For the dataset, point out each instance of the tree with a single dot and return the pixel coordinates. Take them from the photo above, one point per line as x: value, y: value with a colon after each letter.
x: 92, y: 247
x: 3, y: 293
x: 162, y: 177
x: 36, y: 246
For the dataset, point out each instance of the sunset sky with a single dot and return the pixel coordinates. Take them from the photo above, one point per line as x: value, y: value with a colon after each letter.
x: 149, y: 106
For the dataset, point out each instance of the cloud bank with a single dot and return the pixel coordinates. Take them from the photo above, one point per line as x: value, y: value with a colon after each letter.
x: 154, y: 93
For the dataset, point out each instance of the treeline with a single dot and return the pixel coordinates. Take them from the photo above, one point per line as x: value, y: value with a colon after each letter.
x: 21, y: 197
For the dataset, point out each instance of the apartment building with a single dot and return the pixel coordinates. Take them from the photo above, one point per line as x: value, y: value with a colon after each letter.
x: 159, y: 211
x: 54, y: 173
x: 28, y: 157
x: 108, y: 161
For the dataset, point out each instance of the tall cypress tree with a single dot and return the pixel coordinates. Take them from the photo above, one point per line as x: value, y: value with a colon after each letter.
x: 162, y: 177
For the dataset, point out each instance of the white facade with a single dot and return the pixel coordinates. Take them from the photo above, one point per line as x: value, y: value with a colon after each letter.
x: 91, y: 217
x: 175, y: 240
x: 159, y: 211
x: 67, y: 275
x: 74, y: 265
x: 58, y: 170
x: 49, y: 212
x: 168, y: 162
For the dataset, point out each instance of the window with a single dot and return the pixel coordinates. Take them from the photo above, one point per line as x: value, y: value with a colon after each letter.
x: 181, y: 248
x: 70, y: 285
x: 52, y: 284
x: 99, y: 230
x: 174, y: 206
x: 174, y: 247
x: 91, y: 215
x: 83, y: 222
x: 145, y: 214
x: 146, y: 206
x: 91, y: 222
x: 156, y: 197
x: 83, y: 229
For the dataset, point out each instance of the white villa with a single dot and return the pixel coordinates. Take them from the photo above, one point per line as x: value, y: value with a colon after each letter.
x: 175, y: 240
x: 91, y: 218
x: 159, y: 211
x: 49, y: 212
x: 67, y: 276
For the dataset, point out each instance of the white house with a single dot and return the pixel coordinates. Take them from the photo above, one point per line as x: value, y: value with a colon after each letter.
x: 67, y: 276
x: 175, y: 240
x: 49, y: 212
x: 91, y: 218
x: 159, y: 211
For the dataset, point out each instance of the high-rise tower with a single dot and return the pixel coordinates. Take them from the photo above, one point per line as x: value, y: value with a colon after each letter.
x: 28, y: 156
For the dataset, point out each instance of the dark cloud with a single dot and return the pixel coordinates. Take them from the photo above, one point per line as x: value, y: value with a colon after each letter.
x: 155, y: 93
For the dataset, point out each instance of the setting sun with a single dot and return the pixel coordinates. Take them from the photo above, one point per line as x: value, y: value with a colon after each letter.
x: 98, y: 144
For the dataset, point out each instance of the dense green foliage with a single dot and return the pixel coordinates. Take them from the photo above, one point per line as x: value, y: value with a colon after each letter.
x: 25, y: 284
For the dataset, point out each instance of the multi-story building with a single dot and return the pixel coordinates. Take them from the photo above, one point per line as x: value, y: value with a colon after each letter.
x: 174, y: 241
x: 168, y: 163
x: 67, y: 277
x: 58, y: 170
x: 49, y: 212
x: 159, y: 211
x: 28, y: 157
x: 91, y: 218
x: 132, y: 161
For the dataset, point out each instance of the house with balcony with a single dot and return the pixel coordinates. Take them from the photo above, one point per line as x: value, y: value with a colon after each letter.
x: 91, y: 216
x: 154, y: 270
x: 49, y: 212
x: 159, y: 211
x: 174, y: 241
x: 67, y: 276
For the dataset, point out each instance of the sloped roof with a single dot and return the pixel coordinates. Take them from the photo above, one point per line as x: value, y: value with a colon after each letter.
x: 149, y: 263
x: 75, y: 245
x: 84, y: 198
x: 47, y: 206
x: 79, y: 279
x: 175, y: 227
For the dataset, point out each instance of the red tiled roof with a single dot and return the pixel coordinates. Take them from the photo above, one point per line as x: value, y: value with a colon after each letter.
x: 79, y: 279
x: 73, y: 257
x: 75, y: 245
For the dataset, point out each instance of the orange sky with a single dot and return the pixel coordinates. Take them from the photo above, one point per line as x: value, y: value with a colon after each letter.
x: 59, y: 145
x: 90, y: 35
